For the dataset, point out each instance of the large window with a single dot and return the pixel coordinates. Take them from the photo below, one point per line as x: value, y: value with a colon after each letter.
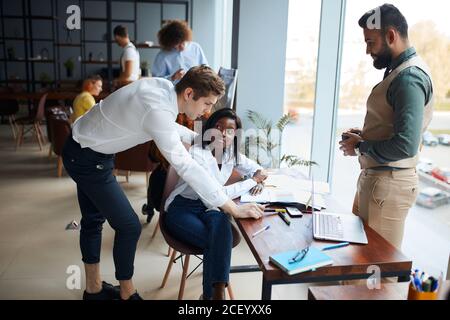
x: 429, y: 30
x: 300, y: 79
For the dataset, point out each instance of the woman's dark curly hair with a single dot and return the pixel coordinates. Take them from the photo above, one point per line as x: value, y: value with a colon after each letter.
x: 174, y: 33
x: 211, y: 124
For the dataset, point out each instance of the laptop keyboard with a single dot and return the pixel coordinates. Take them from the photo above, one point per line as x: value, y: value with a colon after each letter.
x: 330, y: 226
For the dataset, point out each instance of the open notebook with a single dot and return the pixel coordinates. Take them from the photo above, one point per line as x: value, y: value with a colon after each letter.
x: 285, y: 190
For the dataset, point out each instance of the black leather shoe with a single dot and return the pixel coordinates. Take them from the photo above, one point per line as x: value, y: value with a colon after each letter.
x: 135, y: 296
x: 108, y: 292
x: 148, y: 211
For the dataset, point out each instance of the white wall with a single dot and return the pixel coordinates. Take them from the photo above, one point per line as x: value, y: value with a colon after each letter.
x: 212, y: 23
x: 203, y: 27
x: 262, y: 56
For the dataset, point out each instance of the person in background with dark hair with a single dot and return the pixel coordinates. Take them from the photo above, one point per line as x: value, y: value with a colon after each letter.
x: 92, y: 87
x: 130, y: 68
x: 178, y: 52
x: 191, y: 220
x: 399, y: 110
x: 142, y: 111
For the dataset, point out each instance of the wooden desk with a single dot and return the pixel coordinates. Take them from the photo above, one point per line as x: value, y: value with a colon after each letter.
x: 350, y: 263
x: 389, y: 291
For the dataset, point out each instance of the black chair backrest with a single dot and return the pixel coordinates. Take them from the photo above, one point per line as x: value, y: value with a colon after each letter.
x: 60, y: 130
x: 58, y: 112
x: 8, y: 107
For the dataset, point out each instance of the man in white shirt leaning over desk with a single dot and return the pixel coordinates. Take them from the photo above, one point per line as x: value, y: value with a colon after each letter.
x: 139, y: 112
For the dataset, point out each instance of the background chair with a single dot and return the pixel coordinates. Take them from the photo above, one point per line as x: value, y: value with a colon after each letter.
x: 32, y: 124
x: 229, y: 76
x: 185, y: 250
x: 9, y: 109
x: 134, y: 159
x: 62, y: 112
x: 60, y: 131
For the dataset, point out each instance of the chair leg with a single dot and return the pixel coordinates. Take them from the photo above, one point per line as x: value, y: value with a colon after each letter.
x: 169, y: 251
x: 230, y: 291
x: 44, y: 136
x: 12, y: 124
x: 169, y: 268
x: 147, y: 175
x: 50, y: 151
x: 60, y: 166
x: 19, y: 137
x: 13, y: 117
x: 41, y: 133
x: 128, y: 176
x: 38, y: 135
x: 155, y: 231
x: 183, y: 277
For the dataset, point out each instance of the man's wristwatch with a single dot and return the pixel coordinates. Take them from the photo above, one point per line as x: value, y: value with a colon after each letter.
x: 358, y: 153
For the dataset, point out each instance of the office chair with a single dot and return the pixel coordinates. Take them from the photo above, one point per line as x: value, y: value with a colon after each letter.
x: 229, y: 76
x: 32, y: 124
x: 134, y: 160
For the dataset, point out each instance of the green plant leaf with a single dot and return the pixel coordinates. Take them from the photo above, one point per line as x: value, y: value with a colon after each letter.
x: 259, y: 121
x: 293, y: 161
x: 284, y: 121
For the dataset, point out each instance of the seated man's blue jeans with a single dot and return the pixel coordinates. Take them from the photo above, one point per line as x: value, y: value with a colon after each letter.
x: 101, y: 198
x: 188, y: 221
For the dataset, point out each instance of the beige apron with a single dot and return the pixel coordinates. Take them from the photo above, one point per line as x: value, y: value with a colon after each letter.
x: 383, y: 198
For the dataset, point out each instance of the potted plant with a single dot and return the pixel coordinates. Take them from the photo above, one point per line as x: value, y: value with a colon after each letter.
x: 70, y: 66
x: 11, y: 53
x: 265, y: 142
x: 45, y: 80
x: 145, y: 69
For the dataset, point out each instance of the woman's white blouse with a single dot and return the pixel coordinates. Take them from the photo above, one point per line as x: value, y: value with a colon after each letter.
x: 205, y: 158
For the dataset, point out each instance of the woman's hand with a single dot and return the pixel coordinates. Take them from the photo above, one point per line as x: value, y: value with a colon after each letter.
x: 249, y: 210
x: 257, y: 189
x: 260, y: 176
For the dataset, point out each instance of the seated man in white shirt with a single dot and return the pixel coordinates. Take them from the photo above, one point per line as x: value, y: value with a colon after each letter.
x: 130, y: 68
x: 190, y: 220
x: 139, y: 112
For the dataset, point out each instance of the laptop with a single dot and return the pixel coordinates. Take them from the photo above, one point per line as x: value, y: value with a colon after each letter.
x: 337, y: 227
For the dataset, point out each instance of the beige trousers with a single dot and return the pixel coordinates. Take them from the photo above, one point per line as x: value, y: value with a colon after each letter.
x: 383, y: 199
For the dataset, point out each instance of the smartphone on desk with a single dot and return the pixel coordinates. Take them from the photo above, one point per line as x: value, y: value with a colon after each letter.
x: 294, y: 212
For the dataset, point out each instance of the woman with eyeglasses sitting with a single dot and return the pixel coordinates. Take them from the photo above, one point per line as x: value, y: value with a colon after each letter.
x: 199, y: 224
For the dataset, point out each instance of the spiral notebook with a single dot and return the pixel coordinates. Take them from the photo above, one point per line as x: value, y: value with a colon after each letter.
x: 314, y: 259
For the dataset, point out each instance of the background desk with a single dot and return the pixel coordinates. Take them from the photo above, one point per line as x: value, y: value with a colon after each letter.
x: 350, y: 263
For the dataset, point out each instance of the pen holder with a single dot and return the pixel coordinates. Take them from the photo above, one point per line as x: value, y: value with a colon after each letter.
x: 413, y: 294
